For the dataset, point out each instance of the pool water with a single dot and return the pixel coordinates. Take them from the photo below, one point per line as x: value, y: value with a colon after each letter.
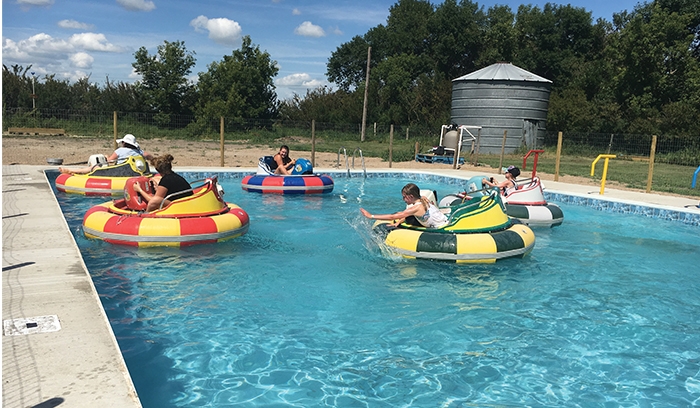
x: 307, y: 310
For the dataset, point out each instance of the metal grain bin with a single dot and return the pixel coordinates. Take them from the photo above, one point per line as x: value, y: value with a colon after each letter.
x: 502, y: 97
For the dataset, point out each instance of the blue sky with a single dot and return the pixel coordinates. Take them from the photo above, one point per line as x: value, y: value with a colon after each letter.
x: 76, y: 38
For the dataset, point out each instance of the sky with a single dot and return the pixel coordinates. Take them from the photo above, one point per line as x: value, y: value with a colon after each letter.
x: 98, y: 38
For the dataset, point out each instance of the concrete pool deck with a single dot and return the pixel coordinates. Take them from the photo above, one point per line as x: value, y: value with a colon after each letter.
x: 80, y: 365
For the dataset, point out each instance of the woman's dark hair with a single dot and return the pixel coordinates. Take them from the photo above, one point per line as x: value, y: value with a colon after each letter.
x: 163, y: 164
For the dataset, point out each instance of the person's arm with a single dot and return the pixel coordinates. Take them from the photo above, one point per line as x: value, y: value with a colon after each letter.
x: 147, y: 155
x: 112, y: 158
x: 281, y: 167
x: 492, y: 183
x: 154, y: 200
x: 159, y: 197
x: 412, y: 210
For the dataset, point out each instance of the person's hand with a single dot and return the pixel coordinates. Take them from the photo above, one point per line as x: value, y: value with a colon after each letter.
x: 137, y: 188
x: 365, y: 213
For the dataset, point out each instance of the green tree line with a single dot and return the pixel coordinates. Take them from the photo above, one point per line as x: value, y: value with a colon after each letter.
x: 638, y: 73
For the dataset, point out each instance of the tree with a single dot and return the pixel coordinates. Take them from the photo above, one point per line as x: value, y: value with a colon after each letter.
x: 653, y: 52
x: 239, y: 87
x: 499, y: 39
x: 323, y: 105
x: 164, y: 83
x: 16, y: 87
x: 455, y: 37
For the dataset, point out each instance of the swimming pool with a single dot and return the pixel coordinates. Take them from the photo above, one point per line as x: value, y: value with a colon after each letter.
x: 306, y: 310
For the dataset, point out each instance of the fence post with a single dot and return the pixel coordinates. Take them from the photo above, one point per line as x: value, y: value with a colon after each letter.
x: 417, y: 146
x: 558, y: 160
x: 313, y: 142
x: 221, y: 137
x: 391, y: 142
x: 114, y: 120
x: 503, y: 150
x: 406, y: 132
x: 651, y: 163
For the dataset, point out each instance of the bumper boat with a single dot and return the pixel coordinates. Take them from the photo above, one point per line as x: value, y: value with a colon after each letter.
x: 104, y: 179
x: 525, y: 203
x: 201, y: 218
x: 301, y: 181
x: 478, y: 231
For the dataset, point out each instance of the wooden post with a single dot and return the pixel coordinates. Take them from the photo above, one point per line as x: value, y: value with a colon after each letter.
x: 503, y: 150
x: 415, y: 150
x: 391, y: 143
x: 375, y: 130
x: 221, y: 137
x: 364, y: 105
x: 313, y: 142
x: 558, y: 159
x: 114, y: 120
x: 406, y: 132
x: 651, y: 163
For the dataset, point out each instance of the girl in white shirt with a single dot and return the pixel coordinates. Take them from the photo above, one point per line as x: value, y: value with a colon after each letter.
x: 425, y: 212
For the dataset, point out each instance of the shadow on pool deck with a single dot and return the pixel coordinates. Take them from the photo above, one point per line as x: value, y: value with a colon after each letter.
x: 80, y: 365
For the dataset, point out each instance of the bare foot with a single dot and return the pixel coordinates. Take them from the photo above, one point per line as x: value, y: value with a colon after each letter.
x: 65, y: 170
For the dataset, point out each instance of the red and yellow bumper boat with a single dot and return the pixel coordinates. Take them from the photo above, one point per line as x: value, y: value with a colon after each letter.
x: 104, y: 180
x: 201, y: 218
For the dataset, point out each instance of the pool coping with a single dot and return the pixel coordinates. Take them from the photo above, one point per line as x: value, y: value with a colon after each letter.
x: 44, y: 274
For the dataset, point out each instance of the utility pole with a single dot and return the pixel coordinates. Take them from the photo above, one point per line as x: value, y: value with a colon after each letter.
x: 364, y: 106
x: 33, y: 94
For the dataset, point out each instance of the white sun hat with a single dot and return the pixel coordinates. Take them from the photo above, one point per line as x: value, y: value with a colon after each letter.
x: 129, y: 139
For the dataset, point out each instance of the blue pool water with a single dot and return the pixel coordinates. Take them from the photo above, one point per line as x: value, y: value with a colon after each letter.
x: 305, y: 310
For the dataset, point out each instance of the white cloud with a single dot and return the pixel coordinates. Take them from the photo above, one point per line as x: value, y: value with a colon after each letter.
x: 82, y: 60
x: 296, y: 12
x: 38, y: 47
x: 299, y: 80
x: 307, y: 29
x: 35, y: 2
x: 137, y: 5
x: 221, y: 30
x: 337, y: 31
x: 75, y: 25
x: 93, y: 42
x: 44, y: 50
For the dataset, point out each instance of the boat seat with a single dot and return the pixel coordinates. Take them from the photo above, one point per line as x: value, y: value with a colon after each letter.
x: 264, y: 165
x: 133, y: 166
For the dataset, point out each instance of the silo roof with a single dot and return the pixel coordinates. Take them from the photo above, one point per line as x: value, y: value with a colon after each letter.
x: 502, y: 71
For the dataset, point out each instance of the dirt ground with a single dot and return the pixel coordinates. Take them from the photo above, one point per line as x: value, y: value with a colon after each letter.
x: 75, y: 151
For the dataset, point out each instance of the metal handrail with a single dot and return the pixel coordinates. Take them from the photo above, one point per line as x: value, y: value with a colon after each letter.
x: 345, y: 153
x: 364, y: 169
x: 607, y: 157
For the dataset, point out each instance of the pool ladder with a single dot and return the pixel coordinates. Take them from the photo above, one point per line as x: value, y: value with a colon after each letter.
x: 345, y: 154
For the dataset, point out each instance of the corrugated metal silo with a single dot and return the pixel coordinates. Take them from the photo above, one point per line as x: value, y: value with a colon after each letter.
x: 502, y: 97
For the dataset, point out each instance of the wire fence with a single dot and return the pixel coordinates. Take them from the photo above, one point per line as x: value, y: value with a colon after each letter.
x: 678, y: 157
